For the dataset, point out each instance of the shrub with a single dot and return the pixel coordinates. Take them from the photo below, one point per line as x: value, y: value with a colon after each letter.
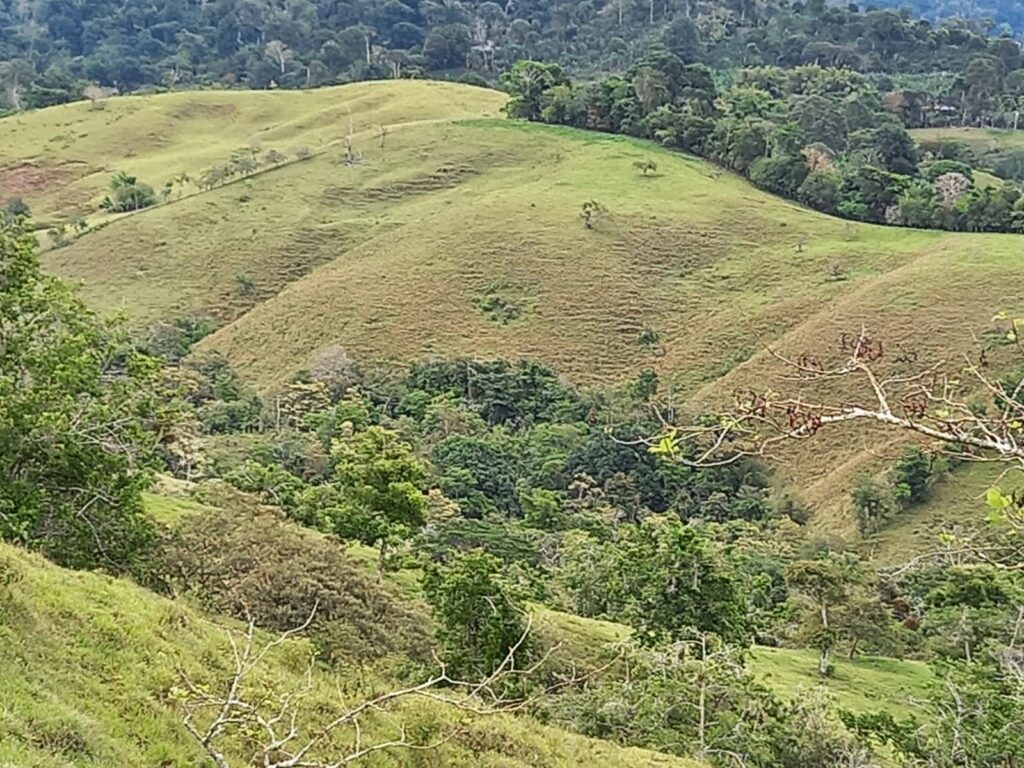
x: 942, y: 167
x: 874, y: 503
x: 127, y: 193
x: 240, y: 560
x: 479, y: 618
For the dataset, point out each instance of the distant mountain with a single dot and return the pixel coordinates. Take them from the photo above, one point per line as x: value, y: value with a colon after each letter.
x: 1002, y: 16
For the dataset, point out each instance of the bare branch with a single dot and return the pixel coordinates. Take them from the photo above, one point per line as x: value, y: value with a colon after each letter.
x: 285, y: 741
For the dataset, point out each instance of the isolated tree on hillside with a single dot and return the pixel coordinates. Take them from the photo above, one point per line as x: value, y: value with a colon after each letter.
x: 822, y: 585
x: 127, y: 193
x: 592, y: 213
x: 16, y: 208
x: 384, y: 483
x: 480, y: 620
x: 15, y: 74
x: 93, y: 93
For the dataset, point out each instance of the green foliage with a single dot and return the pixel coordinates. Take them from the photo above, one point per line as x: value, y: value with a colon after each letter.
x: 940, y: 167
x: 821, y: 135
x: 16, y: 208
x: 646, y: 166
x: 832, y: 599
x: 173, y: 340
x: 447, y: 46
x: 502, y: 392
x: 698, y: 698
x: 499, y: 309
x: 80, y: 411
x: 128, y: 194
x: 526, y: 82
x: 479, y: 473
x: 660, y: 576
x: 913, y: 474
x: 382, y: 482
x: 966, y: 612
x: 592, y: 213
x: 874, y: 503
x: 478, y: 617
x: 222, y: 403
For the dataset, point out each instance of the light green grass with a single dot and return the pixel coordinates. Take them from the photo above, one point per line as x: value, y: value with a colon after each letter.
x: 390, y: 257
x: 169, y: 510
x: 864, y: 684
x: 981, y: 140
x: 88, y: 665
x: 60, y: 159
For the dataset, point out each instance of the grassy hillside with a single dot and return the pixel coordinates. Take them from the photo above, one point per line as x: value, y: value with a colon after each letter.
x: 981, y: 140
x: 88, y: 664
x: 393, y: 257
x: 954, y: 504
x: 60, y: 159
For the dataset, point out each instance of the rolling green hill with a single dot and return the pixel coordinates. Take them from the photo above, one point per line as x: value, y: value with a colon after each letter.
x: 393, y: 256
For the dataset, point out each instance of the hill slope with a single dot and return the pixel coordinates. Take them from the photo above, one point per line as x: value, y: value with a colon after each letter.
x: 88, y: 666
x: 397, y: 256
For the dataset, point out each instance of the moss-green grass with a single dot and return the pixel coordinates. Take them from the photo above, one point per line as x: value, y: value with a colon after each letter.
x: 88, y: 665
x: 390, y: 257
x: 863, y: 684
x: 60, y: 160
x: 979, y: 139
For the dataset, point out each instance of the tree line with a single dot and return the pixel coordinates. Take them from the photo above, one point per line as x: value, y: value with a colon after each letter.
x: 818, y: 135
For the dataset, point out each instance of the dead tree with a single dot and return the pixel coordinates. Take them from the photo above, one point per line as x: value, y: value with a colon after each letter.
x: 281, y: 733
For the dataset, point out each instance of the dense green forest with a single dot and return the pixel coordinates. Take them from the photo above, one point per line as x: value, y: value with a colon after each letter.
x: 998, y: 15
x: 818, y: 135
x: 51, y: 50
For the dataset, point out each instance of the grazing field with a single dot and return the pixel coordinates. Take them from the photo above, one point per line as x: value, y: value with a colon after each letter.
x: 397, y: 256
x: 981, y: 140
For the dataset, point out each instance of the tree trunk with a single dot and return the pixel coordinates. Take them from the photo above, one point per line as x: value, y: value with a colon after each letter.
x: 823, y: 661
x: 651, y: 13
x: 853, y: 647
x: 380, y: 560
